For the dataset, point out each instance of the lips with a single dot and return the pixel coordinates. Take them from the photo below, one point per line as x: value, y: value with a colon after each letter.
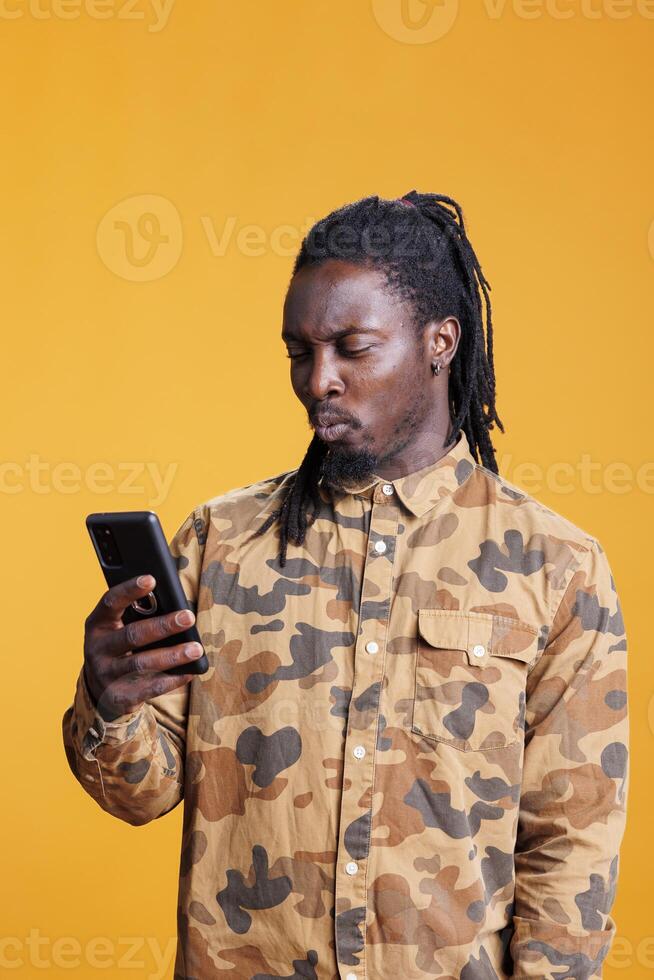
x: 331, y: 431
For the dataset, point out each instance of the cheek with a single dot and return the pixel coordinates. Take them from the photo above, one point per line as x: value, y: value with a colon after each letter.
x: 407, y: 387
x: 384, y: 396
x: 394, y: 377
x: 391, y: 368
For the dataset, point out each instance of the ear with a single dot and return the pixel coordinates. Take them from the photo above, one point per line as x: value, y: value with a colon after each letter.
x: 442, y: 339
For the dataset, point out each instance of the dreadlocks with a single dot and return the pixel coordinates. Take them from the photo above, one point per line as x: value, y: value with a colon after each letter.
x: 419, y: 243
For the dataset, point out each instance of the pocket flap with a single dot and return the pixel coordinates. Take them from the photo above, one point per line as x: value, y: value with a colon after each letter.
x: 480, y: 635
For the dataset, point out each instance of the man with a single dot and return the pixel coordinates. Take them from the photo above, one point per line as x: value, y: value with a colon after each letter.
x: 408, y: 758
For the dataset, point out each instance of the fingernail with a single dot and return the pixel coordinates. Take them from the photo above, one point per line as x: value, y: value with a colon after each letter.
x: 194, y: 650
x: 184, y: 618
x: 145, y: 581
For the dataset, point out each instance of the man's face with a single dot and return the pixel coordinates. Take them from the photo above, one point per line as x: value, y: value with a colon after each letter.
x: 356, y: 358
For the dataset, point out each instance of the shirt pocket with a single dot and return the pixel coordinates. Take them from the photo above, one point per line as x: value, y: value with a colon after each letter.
x: 470, y: 677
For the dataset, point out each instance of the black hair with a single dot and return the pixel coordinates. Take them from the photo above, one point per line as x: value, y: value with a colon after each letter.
x: 420, y: 243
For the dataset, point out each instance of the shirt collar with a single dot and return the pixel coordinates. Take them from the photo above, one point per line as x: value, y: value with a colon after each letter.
x: 421, y: 490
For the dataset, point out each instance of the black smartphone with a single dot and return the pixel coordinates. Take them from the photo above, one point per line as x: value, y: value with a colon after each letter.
x: 131, y: 543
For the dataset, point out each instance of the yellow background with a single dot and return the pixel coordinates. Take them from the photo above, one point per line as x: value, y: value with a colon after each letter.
x: 266, y: 115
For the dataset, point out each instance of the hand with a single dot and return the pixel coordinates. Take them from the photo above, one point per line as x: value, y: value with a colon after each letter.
x: 119, y: 679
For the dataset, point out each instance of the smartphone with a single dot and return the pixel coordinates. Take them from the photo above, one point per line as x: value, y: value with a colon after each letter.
x: 131, y: 543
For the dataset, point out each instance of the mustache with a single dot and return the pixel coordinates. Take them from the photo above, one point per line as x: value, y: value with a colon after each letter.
x: 330, y: 418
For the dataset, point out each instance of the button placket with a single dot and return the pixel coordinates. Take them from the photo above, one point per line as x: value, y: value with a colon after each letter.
x: 359, y: 758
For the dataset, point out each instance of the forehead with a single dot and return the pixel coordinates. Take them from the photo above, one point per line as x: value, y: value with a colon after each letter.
x: 334, y: 294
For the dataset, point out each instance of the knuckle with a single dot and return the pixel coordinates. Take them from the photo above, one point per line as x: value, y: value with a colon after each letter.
x: 136, y: 665
x: 167, y: 625
x: 132, y: 635
x: 113, y: 671
x: 159, y: 686
x: 115, y: 701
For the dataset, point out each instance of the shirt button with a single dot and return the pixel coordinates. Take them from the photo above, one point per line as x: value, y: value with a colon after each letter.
x: 380, y: 547
x: 387, y: 489
x: 479, y: 650
x: 350, y: 976
x: 90, y: 778
x: 358, y: 751
x: 351, y: 867
x: 372, y: 647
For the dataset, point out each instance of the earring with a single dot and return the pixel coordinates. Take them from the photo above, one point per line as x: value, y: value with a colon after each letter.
x: 436, y: 368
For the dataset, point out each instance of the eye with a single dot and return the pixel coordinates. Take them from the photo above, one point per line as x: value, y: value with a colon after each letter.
x: 343, y: 351
x: 352, y: 352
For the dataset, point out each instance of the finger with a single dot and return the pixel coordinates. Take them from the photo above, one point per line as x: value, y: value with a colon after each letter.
x: 114, y: 602
x: 153, y: 661
x: 121, y: 699
x: 139, y: 634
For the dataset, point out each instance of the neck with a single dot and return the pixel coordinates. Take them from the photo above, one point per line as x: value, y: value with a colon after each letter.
x: 420, y: 454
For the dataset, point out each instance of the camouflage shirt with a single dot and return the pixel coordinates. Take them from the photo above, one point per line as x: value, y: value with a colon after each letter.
x: 408, y: 758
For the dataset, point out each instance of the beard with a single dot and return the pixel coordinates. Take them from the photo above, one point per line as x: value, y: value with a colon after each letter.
x: 348, y: 467
x: 342, y: 467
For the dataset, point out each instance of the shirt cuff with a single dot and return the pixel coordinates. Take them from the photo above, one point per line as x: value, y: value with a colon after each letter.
x: 93, y: 730
x: 540, y: 946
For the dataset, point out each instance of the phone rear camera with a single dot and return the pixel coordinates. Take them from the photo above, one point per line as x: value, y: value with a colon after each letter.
x: 108, y: 548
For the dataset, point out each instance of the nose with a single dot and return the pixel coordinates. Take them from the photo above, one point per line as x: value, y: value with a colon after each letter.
x: 322, y: 376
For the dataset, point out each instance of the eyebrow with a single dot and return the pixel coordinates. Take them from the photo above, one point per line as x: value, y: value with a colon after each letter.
x: 345, y: 332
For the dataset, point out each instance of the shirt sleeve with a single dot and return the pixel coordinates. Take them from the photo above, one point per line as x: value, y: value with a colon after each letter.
x: 133, y: 766
x: 575, y: 783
